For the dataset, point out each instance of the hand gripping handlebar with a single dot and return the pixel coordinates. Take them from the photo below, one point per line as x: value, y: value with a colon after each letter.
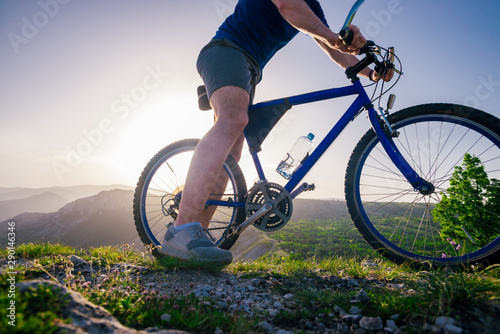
x: 345, y: 33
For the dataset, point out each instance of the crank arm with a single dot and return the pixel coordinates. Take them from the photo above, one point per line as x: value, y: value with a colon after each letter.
x: 259, y: 213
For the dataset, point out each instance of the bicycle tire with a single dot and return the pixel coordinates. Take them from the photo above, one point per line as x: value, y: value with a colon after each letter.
x: 399, y: 222
x: 158, y: 191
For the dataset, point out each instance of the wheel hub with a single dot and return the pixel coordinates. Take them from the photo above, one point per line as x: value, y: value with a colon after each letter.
x: 427, y: 188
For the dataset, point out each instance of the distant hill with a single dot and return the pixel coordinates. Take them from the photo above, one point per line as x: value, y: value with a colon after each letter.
x: 107, y: 219
x: 44, y: 202
x: 103, y: 219
x: 70, y: 193
x: 319, y: 209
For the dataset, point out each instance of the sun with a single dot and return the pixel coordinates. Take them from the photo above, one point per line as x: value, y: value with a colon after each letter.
x: 154, y: 124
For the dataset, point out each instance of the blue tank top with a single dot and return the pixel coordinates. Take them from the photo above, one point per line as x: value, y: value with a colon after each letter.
x: 258, y: 28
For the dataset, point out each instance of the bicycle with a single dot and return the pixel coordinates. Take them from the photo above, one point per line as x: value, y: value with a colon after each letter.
x: 400, y: 174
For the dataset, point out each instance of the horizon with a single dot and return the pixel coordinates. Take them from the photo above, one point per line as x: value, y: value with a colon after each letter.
x: 92, y: 90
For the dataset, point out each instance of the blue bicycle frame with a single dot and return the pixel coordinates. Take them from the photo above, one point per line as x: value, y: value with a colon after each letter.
x: 362, y: 101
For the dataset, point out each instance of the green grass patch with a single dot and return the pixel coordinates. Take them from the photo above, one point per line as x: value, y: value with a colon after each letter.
x: 35, y: 311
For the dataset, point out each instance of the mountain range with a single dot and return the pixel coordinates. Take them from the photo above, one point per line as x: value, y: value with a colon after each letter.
x: 106, y: 217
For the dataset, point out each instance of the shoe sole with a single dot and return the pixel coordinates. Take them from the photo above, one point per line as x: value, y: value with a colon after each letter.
x: 173, y: 252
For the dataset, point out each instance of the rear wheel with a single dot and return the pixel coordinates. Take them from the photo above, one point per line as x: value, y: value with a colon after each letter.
x: 455, y: 223
x: 159, y: 191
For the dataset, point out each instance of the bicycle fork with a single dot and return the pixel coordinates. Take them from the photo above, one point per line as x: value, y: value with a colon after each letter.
x: 417, y: 182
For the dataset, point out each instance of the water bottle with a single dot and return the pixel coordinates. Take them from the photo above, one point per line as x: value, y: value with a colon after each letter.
x: 294, y: 158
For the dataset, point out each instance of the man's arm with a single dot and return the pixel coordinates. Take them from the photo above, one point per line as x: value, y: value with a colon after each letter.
x: 342, y: 59
x: 301, y: 16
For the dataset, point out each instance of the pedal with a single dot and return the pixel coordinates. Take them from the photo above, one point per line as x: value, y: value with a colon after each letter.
x: 303, y: 187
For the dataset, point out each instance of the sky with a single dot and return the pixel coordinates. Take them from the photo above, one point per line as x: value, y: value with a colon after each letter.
x: 91, y: 90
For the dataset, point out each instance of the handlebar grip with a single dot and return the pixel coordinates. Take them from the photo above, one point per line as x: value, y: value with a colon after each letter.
x: 346, y: 35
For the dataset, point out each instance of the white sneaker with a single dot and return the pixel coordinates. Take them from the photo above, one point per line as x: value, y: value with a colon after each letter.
x: 193, y: 243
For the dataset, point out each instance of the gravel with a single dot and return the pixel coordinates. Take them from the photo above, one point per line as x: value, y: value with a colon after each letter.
x: 268, y: 297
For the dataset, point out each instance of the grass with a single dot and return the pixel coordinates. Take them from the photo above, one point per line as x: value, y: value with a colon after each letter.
x: 36, y: 311
x: 425, y: 294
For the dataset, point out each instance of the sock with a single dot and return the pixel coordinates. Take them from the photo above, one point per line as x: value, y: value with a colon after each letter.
x: 180, y: 228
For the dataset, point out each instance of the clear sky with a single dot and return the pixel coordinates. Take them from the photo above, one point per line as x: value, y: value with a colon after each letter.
x: 91, y: 90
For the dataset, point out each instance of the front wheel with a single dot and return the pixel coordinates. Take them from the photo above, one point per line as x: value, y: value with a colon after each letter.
x: 457, y: 150
x: 159, y: 191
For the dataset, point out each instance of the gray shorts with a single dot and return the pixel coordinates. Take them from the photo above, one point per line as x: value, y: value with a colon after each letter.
x: 222, y: 63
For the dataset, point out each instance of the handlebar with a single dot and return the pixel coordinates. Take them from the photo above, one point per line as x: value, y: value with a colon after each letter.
x: 345, y: 33
x: 369, y: 49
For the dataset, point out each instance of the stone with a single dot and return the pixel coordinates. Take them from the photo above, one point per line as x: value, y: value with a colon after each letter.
x: 84, y: 316
x: 282, y: 331
x: 266, y: 327
x: 444, y: 321
x: 391, y: 324
x: 370, y: 323
x: 362, y: 296
x: 452, y: 329
x: 338, y: 309
x: 166, y: 317
x: 354, y: 310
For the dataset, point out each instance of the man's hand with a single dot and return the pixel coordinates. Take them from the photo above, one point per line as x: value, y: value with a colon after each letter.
x: 375, y: 76
x: 358, y: 41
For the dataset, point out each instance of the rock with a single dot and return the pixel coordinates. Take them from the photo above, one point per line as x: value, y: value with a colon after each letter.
x: 444, y: 321
x: 223, y: 305
x: 84, y: 316
x: 78, y: 262
x: 391, y: 324
x: 371, y: 324
x: 355, y: 310
x: 166, y: 317
x: 338, y: 309
x: 452, y: 329
x: 282, y: 331
x: 266, y: 327
x: 362, y: 296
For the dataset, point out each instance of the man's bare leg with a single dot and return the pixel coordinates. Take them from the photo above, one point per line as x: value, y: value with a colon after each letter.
x: 221, y: 183
x: 231, y: 106
x: 186, y: 239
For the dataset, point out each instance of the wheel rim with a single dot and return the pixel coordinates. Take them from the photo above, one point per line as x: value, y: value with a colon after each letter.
x: 381, y: 192
x: 162, y: 190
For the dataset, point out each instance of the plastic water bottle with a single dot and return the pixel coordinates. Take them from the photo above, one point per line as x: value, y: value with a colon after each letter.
x: 294, y: 158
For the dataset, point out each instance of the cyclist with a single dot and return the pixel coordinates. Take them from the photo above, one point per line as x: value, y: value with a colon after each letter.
x: 230, y: 66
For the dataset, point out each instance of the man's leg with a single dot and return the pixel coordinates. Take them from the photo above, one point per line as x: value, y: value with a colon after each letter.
x: 220, y: 185
x: 231, y: 106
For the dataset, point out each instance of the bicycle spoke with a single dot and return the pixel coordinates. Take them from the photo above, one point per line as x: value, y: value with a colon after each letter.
x: 436, y: 146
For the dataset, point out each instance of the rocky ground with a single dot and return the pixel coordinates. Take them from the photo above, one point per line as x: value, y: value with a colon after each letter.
x: 254, y: 297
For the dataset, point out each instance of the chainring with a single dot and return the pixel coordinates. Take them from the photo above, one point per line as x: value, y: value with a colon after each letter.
x: 281, y: 212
